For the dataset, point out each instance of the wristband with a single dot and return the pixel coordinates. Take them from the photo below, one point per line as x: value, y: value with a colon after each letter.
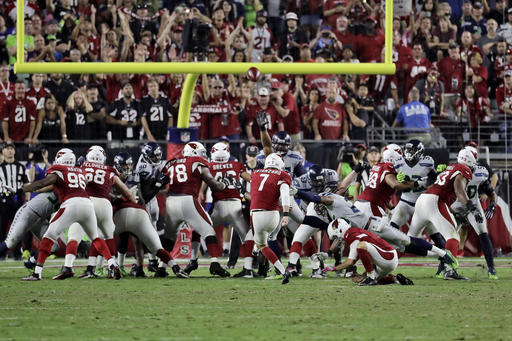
x: 286, y: 214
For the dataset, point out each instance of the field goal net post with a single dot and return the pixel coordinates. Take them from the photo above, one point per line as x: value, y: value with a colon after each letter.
x: 193, y: 70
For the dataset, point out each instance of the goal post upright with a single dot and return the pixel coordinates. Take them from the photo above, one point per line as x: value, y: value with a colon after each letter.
x: 193, y: 70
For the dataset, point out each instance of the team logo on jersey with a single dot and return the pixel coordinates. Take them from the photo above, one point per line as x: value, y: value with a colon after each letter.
x: 185, y: 136
x: 332, y: 113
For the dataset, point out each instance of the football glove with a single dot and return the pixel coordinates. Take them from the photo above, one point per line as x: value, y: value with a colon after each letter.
x: 441, y: 167
x: 293, y: 190
x: 80, y: 161
x: 161, y: 179
x: 227, y: 181
x: 420, y: 184
x: 261, y: 119
x: 489, y: 211
x: 361, y: 166
x: 401, y: 176
x: 474, y: 210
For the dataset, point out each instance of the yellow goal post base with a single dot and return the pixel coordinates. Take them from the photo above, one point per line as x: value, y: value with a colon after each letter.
x: 193, y: 70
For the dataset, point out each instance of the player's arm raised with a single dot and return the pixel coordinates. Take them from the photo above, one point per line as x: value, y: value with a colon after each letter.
x: 123, y: 189
x: 266, y: 141
x: 50, y: 179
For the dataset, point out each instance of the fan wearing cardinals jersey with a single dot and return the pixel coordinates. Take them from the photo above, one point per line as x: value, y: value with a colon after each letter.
x: 480, y: 183
x: 130, y: 217
x: 417, y: 166
x: 270, y: 187
x: 184, y: 175
x: 433, y: 205
x: 100, y: 179
x: 69, y: 183
x: 382, y: 183
x: 227, y: 204
x: 378, y: 257
x: 19, y: 116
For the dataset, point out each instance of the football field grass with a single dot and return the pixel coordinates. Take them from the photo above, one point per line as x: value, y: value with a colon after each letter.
x: 206, y: 308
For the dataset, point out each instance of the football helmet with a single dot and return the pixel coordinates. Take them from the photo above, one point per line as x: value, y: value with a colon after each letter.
x: 467, y: 158
x: 123, y: 163
x: 395, y: 147
x: 332, y: 179
x: 194, y: 149
x: 337, y: 228
x: 391, y: 156
x: 413, y: 150
x: 96, y: 154
x: 316, y: 177
x: 473, y: 150
x: 66, y: 157
x: 274, y: 161
x: 281, y: 142
x: 220, y: 152
x: 152, y: 153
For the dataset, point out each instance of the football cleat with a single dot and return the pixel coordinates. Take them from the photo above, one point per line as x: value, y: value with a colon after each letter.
x: 453, y: 275
x: 492, y: 273
x: 114, y: 271
x: 286, y: 278
x: 153, y: 265
x: 88, y: 274
x: 191, y: 266
x: 404, y: 280
x: 29, y: 265
x: 450, y: 260
x: 368, y: 281
x: 245, y: 273
x: 351, y: 271
x: 65, y: 272
x: 216, y: 269
x: 139, y: 272
x: 292, y: 270
x: 133, y: 270
x: 102, y: 273
x: 32, y: 277
x: 161, y: 272
x: 317, y: 273
x: 178, y: 272
x: 25, y: 255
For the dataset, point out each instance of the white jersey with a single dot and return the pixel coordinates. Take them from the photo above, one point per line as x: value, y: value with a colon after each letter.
x: 292, y: 163
x: 262, y: 38
x: 480, y: 174
x: 344, y: 208
x: 420, y: 170
x: 304, y: 183
x: 44, y: 204
x: 144, y: 171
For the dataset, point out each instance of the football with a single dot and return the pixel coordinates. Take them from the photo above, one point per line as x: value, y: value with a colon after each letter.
x: 253, y: 74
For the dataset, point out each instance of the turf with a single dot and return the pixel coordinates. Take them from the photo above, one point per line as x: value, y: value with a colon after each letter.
x: 205, y: 308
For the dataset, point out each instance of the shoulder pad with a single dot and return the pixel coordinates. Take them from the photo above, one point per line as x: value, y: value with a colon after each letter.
x: 481, y: 172
x: 294, y: 155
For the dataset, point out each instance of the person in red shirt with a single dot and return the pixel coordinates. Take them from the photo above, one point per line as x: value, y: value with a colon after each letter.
x: 433, y: 205
x: 69, y: 183
x: 472, y: 107
x: 418, y: 67
x: 371, y: 43
x: 224, y: 123
x: 37, y: 91
x: 262, y: 103
x: 329, y: 119
x: 504, y: 94
x: 6, y: 87
x: 270, y: 189
x: 452, y: 72
x: 378, y: 257
x: 478, y: 75
x: 185, y: 175
x: 286, y: 107
x: 19, y: 119
x: 343, y: 34
x: 333, y: 9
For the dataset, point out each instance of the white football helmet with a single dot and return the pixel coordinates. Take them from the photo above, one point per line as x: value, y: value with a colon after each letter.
x: 472, y: 150
x: 194, y: 149
x: 96, y: 154
x: 66, y: 157
x: 220, y: 152
x: 467, y: 158
x: 391, y: 156
x: 395, y: 147
x: 337, y: 228
x: 274, y: 161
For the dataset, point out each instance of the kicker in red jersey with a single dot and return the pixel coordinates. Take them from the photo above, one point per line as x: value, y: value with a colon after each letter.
x: 222, y: 170
x: 100, y: 179
x: 356, y: 233
x: 71, y: 182
x: 377, y: 191
x: 184, y: 174
x: 444, y: 185
x: 265, y: 184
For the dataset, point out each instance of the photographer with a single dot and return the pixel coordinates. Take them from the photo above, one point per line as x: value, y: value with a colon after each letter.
x: 325, y: 40
x: 348, y: 158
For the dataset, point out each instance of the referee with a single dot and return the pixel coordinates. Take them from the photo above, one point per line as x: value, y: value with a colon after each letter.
x: 13, y: 175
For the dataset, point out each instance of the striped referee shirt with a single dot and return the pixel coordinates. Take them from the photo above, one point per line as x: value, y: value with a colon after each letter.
x: 13, y: 174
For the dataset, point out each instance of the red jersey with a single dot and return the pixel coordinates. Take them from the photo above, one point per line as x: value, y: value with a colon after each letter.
x: 370, y: 47
x: 19, y: 115
x: 378, y: 86
x: 222, y: 170
x: 475, y: 107
x: 6, y: 91
x: 444, y: 185
x: 330, y: 4
x: 265, y: 188
x: 292, y: 121
x: 356, y: 233
x: 503, y: 94
x: 224, y: 121
x: 37, y: 96
x: 273, y: 119
x: 417, y: 68
x: 481, y: 87
x: 70, y: 183
x: 377, y: 191
x: 100, y: 179
x: 347, y: 38
x: 451, y: 73
x: 184, y: 174
x: 330, y: 120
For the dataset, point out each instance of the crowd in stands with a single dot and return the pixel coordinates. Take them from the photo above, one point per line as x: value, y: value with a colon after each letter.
x: 454, y: 65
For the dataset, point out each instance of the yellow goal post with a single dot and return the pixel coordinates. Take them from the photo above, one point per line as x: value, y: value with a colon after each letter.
x: 193, y: 70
